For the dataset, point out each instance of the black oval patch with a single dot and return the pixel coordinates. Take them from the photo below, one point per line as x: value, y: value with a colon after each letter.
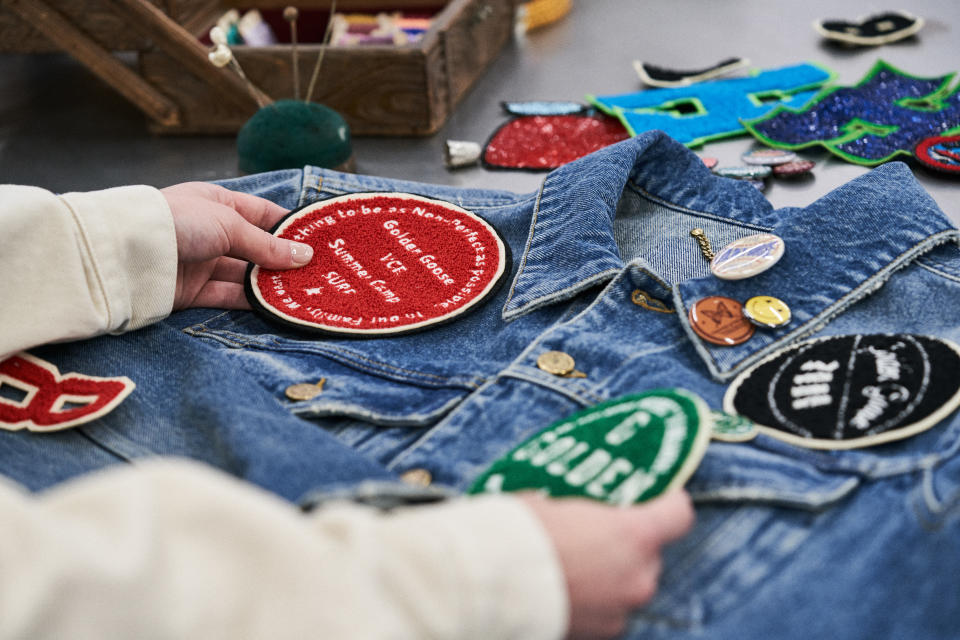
x: 850, y: 391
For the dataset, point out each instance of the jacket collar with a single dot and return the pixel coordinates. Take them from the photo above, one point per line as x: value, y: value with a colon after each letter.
x: 571, y: 244
x: 840, y: 249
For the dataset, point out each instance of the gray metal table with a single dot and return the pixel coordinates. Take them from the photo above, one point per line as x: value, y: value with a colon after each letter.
x: 62, y: 129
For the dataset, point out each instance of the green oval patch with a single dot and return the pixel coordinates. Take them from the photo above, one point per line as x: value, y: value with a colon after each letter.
x: 626, y: 450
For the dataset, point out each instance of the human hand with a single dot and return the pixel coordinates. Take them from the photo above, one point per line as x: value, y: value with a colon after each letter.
x: 610, y: 555
x: 217, y: 231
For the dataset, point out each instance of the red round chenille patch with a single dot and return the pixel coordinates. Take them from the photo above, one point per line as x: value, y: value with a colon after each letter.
x: 383, y: 263
x: 548, y: 142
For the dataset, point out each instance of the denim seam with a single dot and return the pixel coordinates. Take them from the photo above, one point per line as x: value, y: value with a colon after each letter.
x: 866, y: 287
x: 700, y: 214
x: 344, y: 357
x: 749, y: 491
x: 468, y: 205
x: 821, y: 460
x: 310, y: 180
x: 202, y: 332
x: 937, y: 269
x: 127, y: 450
x: 526, y: 249
x: 340, y: 187
x: 374, y: 366
x: 581, y: 396
x: 380, y: 419
x: 936, y: 506
x: 548, y: 299
x: 663, y: 283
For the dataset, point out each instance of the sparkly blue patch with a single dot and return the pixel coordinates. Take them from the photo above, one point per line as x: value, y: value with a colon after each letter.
x: 887, y: 114
x: 709, y: 110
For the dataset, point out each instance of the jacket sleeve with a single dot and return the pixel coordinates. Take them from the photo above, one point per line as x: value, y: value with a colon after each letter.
x: 83, y: 264
x: 175, y: 550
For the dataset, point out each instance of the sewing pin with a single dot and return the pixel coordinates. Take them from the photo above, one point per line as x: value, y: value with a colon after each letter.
x: 290, y: 14
x: 323, y: 50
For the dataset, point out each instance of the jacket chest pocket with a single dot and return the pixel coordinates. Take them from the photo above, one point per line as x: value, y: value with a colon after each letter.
x: 322, y: 379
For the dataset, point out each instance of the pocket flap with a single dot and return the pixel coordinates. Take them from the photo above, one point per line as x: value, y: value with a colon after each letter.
x: 745, y: 473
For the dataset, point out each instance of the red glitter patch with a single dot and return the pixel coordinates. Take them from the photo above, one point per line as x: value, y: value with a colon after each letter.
x: 548, y: 142
x: 47, y: 395
x: 382, y: 263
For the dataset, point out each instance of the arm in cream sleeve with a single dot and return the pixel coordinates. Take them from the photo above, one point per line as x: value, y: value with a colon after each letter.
x: 83, y: 264
x: 171, y: 549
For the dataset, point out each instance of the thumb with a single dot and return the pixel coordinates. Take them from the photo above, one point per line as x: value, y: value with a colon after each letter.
x: 248, y: 242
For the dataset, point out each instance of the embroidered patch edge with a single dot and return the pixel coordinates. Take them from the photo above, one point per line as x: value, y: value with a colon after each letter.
x: 128, y: 387
x: 262, y: 307
x: 892, y: 435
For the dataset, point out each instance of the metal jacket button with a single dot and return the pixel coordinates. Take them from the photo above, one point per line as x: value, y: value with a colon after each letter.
x: 556, y: 362
x: 304, y: 390
x: 417, y: 477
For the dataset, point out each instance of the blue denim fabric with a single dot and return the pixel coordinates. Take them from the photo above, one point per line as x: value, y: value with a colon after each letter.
x: 789, y: 543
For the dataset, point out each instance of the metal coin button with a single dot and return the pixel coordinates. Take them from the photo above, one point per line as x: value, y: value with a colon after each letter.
x: 756, y: 171
x: 795, y: 168
x: 720, y: 320
x: 768, y: 156
x: 417, y: 477
x: 767, y: 311
x: 747, y: 257
x: 556, y: 362
x: 304, y: 390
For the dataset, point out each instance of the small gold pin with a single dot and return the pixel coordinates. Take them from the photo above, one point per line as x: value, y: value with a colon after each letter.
x: 221, y: 55
x: 704, y: 243
x: 643, y: 299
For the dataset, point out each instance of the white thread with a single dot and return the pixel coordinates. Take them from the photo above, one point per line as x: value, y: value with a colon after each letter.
x: 803, y: 390
x: 812, y: 390
x: 877, y: 403
x: 812, y: 378
x: 888, y: 365
x: 819, y: 365
x: 811, y: 402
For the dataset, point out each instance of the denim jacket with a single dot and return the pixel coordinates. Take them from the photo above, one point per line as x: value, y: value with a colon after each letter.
x: 790, y: 542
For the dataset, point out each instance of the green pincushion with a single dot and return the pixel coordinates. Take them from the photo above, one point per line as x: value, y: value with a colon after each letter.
x: 289, y: 134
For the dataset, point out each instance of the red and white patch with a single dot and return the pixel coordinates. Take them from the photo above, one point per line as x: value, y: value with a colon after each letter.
x: 383, y: 263
x: 51, y: 401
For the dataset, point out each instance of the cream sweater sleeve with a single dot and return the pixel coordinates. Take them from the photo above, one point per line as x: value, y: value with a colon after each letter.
x: 175, y: 550
x: 83, y: 264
